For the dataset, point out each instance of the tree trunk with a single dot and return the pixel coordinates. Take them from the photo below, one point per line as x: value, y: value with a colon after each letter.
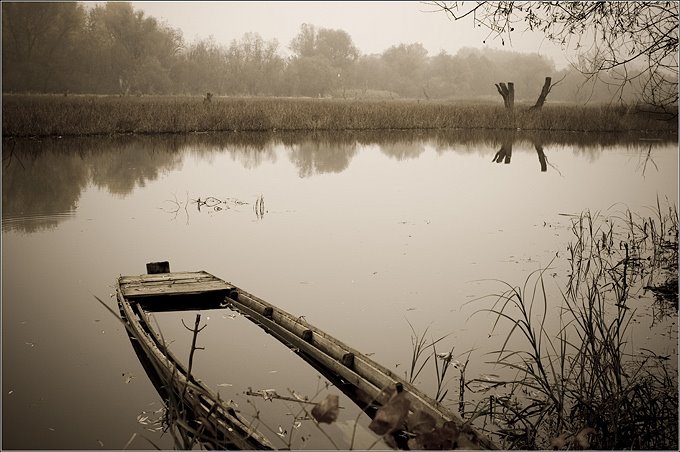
x: 508, y: 94
x: 544, y: 94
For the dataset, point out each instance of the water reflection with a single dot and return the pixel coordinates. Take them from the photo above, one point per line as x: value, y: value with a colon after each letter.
x: 43, y: 180
x: 504, y: 154
x: 442, y: 221
x: 319, y: 155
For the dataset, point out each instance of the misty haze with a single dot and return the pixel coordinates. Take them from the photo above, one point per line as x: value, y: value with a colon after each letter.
x: 339, y: 225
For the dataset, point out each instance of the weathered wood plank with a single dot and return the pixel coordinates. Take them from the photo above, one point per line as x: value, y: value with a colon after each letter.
x: 166, y: 277
x: 181, y: 282
x: 174, y: 288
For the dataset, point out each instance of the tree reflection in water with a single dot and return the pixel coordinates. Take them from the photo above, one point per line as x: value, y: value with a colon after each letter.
x: 42, y: 180
x: 504, y: 154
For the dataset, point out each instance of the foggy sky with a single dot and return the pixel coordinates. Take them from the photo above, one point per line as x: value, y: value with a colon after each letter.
x: 373, y: 26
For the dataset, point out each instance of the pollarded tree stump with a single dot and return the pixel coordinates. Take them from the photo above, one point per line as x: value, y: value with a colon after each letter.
x: 508, y: 94
x: 544, y: 94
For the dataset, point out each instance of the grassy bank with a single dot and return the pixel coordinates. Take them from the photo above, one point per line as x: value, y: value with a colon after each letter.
x: 94, y: 115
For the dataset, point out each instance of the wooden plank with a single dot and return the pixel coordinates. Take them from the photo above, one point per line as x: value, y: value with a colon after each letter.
x: 156, y: 284
x: 165, y: 277
x: 184, y: 288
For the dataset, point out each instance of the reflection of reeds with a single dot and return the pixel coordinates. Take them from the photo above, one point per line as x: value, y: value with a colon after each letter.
x: 259, y: 207
x: 584, y: 386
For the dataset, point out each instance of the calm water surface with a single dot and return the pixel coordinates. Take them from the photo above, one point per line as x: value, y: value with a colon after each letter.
x: 360, y: 233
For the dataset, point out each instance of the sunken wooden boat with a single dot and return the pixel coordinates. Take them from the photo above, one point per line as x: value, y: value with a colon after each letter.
x: 365, y: 382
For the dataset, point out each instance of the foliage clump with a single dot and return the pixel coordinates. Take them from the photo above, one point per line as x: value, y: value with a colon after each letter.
x: 586, y: 386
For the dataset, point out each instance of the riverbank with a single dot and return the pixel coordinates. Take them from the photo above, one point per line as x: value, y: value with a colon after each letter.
x: 44, y: 115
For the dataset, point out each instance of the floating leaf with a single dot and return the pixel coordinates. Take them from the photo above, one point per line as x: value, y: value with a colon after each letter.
x: 101, y: 444
x: 327, y: 410
x: 390, y: 416
x: 225, y: 384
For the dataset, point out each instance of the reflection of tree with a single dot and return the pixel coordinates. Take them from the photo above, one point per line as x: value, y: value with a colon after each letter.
x: 127, y: 165
x: 40, y: 185
x: 250, y: 149
x: 320, y: 156
x: 402, y: 150
x: 42, y: 180
x: 541, y: 157
x: 504, y: 154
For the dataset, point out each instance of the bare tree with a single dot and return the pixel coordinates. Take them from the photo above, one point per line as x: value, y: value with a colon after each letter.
x: 631, y: 42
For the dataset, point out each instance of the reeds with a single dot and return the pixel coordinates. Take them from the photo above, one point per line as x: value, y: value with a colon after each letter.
x: 583, y: 386
x: 44, y: 115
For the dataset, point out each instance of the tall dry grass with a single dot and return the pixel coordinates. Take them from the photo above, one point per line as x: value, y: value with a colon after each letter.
x: 43, y: 115
x: 584, y: 385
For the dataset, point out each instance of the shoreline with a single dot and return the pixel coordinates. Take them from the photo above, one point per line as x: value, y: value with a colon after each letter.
x: 37, y: 116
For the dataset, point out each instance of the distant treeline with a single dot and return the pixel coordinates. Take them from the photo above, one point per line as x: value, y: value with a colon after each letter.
x: 114, y: 49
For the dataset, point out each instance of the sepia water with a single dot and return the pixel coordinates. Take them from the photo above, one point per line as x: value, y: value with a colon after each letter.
x: 360, y: 233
